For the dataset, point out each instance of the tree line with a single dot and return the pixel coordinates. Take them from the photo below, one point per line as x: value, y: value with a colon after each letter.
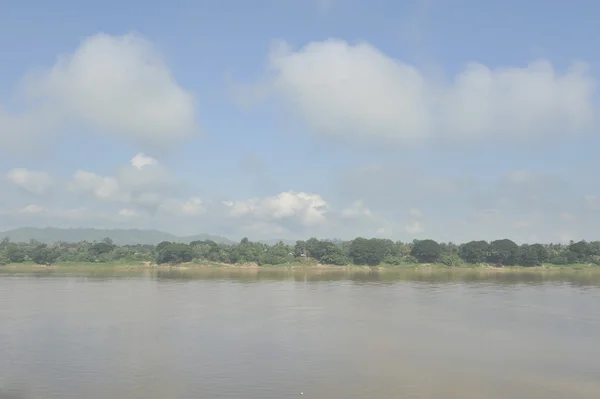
x: 360, y: 251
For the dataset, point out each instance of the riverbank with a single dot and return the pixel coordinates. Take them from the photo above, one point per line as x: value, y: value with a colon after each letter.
x: 574, y: 274
x: 67, y: 266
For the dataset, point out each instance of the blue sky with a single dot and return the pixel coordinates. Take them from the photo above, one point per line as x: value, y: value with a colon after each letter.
x: 446, y: 119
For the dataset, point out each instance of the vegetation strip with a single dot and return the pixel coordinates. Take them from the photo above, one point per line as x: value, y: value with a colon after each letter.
x: 358, y: 252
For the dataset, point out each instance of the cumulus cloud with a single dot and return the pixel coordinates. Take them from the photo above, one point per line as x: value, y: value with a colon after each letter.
x: 308, y: 208
x: 117, y: 85
x: 128, y: 213
x: 141, y: 160
x: 191, y: 207
x: 357, y: 209
x: 297, y: 215
x: 395, y: 203
x: 143, y: 182
x: 342, y: 89
x: 103, y: 188
x: 31, y: 209
x: 32, y: 181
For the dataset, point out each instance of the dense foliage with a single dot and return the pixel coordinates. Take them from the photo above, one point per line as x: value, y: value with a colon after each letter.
x: 360, y: 251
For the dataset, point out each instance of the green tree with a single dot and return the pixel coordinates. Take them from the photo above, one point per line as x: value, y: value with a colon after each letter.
x: 577, y: 252
x: 503, y: 252
x: 300, y: 249
x: 474, y: 251
x: 246, y: 252
x: 277, y: 254
x: 369, y: 251
x: 529, y: 255
x: 164, y: 244
x: 335, y: 255
x: 99, y: 249
x: 202, y: 249
x: 175, y: 253
x: 108, y: 241
x: 541, y: 253
x: 558, y: 259
x: 4, y: 260
x: 426, y: 251
x: 42, y: 255
x: 15, y: 253
x: 317, y: 249
x: 449, y: 248
x: 451, y: 260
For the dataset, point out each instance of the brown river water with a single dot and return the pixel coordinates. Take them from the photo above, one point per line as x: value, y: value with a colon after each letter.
x: 277, y: 335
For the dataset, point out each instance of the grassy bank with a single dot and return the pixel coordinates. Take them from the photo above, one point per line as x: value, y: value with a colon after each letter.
x: 435, y: 273
x: 124, y: 265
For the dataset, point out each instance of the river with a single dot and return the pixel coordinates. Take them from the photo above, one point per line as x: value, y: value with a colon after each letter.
x: 280, y: 335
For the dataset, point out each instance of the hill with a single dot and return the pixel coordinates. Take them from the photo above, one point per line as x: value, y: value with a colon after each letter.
x: 50, y: 235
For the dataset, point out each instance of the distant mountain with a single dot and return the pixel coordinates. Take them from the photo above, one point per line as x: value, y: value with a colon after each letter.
x: 50, y: 235
x: 201, y: 237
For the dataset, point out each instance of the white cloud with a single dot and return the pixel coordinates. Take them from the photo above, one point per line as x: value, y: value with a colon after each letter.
x: 128, y: 213
x: 144, y: 174
x: 193, y: 206
x: 141, y: 160
x: 356, y: 90
x: 143, y: 182
x: 103, y: 188
x: 415, y: 227
x: 32, y: 209
x: 356, y: 210
x: 35, y: 182
x: 117, y: 85
x: 308, y: 208
x: 401, y: 204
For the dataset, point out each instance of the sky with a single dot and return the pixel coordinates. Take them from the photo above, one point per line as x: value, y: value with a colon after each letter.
x: 446, y: 119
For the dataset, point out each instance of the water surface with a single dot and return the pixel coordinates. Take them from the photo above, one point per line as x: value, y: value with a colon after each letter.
x: 273, y: 334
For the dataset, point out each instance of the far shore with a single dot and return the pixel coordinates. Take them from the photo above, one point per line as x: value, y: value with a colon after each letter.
x: 425, y: 268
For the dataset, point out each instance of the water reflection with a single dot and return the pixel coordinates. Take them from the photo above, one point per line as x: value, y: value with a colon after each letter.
x: 581, y: 278
x: 386, y: 276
